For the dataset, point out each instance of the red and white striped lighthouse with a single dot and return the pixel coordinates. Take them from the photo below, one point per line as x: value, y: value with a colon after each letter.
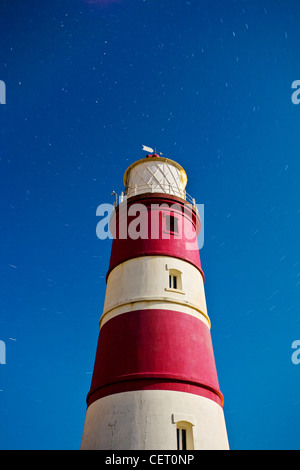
x: 155, y: 384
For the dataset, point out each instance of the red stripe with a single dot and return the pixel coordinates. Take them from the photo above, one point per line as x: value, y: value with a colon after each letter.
x: 183, y: 245
x: 156, y: 350
x: 155, y: 384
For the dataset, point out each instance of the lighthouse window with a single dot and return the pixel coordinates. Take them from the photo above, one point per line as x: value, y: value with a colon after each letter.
x: 171, y: 223
x: 175, y: 281
x: 172, y: 281
x: 181, y: 439
x: 184, y: 434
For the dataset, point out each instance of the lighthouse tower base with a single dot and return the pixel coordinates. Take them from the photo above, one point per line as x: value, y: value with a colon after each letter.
x: 152, y: 420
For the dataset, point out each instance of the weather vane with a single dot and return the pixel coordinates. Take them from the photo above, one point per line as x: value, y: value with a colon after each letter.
x: 150, y: 150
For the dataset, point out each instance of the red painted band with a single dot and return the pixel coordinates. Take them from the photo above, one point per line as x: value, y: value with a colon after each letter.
x: 155, y: 384
x: 147, y: 218
x: 148, y: 347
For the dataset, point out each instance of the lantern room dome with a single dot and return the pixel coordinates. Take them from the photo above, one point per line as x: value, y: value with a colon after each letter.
x: 155, y: 174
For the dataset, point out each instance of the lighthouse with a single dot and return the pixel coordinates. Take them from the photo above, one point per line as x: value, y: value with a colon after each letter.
x: 155, y: 384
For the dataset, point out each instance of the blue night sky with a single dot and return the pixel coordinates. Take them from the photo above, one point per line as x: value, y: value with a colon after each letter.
x: 206, y: 82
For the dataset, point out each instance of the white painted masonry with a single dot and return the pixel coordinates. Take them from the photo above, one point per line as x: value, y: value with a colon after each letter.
x: 145, y: 419
x: 144, y: 283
